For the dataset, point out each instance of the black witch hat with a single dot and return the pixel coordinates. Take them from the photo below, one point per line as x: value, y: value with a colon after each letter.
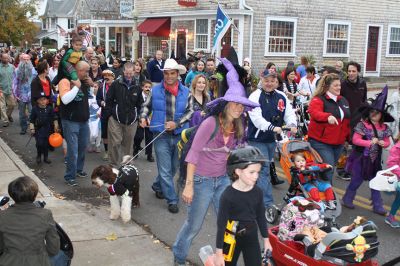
x: 378, y: 104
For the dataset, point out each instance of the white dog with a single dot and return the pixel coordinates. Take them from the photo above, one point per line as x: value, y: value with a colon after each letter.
x: 122, y: 182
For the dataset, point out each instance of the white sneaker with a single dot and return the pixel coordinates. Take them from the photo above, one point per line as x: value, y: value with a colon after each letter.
x: 331, y: 205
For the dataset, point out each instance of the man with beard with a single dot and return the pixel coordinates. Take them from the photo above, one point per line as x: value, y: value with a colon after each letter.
x: 6, y: 98
x: 23, y: 77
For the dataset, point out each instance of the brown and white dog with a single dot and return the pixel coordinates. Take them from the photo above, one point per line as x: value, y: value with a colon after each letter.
x: 122, y: 182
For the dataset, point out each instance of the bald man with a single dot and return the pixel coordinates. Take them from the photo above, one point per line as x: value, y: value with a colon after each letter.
x: 89, y: 53
x: 74, y: 112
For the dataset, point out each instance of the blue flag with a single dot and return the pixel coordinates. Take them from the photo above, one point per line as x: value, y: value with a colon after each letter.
x: 222, y: 24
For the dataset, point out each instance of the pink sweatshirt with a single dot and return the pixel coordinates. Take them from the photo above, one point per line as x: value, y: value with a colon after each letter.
x: 359, y: 141
x: 394, y: 158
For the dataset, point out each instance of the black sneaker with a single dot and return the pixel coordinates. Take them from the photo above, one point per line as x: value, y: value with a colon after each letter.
x: 173, y: 208
x: 71, y: 182
x: 82, y: 174
x: 10, y: 119
x: 150, y: 158
x: 344, y: 176
x: 159, y: 194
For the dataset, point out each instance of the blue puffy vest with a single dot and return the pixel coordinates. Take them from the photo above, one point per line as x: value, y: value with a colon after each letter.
x: 159, y: 108
x: 269, y: 102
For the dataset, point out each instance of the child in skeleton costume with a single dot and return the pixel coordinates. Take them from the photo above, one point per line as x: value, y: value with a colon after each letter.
x: 370, y: 136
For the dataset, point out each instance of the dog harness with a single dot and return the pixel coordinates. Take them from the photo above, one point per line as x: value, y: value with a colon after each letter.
x: 127, y: 179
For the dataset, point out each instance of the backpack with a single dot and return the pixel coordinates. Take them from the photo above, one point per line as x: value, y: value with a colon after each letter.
x: 184, y: 145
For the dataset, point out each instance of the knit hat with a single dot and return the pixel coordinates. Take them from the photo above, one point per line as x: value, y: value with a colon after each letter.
x: 236, y: 92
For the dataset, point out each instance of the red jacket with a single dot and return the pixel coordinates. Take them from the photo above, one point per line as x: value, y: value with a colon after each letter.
x: 320, y: 109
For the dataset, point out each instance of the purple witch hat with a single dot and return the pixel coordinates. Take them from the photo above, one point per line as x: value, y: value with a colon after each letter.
x: 236, y: 92
x: 379, y: 104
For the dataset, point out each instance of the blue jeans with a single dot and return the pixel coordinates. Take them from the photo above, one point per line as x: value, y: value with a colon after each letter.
x: 330, y: 154
x: 264, y: 180
x: 206, y: 190
x: 76, y: 135
x: 167, y: 164
x: 60, y: 259
x: 23, y: 117
x: 395, y: 204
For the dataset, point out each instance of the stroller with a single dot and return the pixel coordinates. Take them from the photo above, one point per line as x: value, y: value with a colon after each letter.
x: 286, y: 150
x: 336, y: 248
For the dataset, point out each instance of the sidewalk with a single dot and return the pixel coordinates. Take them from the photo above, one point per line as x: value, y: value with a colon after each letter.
x: 89, y: 226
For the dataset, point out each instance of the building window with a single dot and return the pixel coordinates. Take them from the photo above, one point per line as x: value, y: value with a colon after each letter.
x: 201, y: 42
x: 280, y: 36
x: 71, y: 23
x: 393, y: 43
x: 53, y: 23
x: 154, y: 44
x: 337, y: 38
x: 44, y: 24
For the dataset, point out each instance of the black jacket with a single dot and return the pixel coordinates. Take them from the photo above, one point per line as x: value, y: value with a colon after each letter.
x: 37, y: 90
x: 124, y: 102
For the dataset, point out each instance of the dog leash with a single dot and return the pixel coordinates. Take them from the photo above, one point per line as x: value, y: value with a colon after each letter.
x: 137, y: 154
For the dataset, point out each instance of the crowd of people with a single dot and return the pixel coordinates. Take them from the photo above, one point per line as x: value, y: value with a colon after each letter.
x: 91, y: 99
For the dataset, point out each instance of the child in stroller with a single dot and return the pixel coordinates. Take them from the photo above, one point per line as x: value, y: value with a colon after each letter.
x: 307, y: 174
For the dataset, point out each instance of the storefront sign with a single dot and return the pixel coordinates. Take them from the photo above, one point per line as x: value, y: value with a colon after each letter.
x: 187, y: 2
x: 126, y: 8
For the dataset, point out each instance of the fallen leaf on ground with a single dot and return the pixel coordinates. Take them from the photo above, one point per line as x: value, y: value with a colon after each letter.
x: 112, y: 237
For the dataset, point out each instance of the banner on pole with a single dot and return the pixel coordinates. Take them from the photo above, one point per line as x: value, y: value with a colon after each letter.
x: 222, y: 24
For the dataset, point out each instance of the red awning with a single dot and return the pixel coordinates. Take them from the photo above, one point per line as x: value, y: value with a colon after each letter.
x: 155, y: 27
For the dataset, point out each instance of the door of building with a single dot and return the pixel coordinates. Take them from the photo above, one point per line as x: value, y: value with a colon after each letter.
x: 372, y: 49
x: 181, y: 45
x: 226, y: 43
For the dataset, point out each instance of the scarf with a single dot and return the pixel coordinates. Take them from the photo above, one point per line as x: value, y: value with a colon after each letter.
x: 172, y: 89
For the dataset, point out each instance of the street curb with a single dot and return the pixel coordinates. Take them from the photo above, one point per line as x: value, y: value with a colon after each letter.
x: 43, y: 189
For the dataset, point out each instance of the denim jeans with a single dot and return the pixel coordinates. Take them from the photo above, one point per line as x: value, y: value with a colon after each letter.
x: 206, y: 190
x: 330, y: 154
x: 264, y: 180
x: 167, y: 164
x: 76, y: 135
x: 60, y: 259
x: 23, y: 116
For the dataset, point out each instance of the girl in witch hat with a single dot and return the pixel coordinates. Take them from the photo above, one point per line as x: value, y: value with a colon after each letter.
x: 371, y: 135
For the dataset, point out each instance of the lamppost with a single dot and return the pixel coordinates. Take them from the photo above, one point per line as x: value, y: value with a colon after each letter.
x: 135, y: 34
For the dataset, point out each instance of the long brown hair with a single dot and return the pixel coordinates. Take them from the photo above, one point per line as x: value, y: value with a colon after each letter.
x: 206, y: 96
x: 324, y: 84
x: 237, y: 123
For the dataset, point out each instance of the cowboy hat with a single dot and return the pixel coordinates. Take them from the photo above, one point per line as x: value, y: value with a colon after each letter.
x: 236, y: 92
x: 171, y: 64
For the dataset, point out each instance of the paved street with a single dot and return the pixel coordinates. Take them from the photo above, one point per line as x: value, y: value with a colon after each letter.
x: 153, y: 214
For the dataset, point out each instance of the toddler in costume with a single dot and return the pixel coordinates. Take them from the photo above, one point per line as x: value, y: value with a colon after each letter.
x: 311, y: 183
x: 41, y: 120
x: 94, y: 120
x: 242, y: 202
x: 394, y: 159
x: 370, y: 136
x: 71, y: 57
